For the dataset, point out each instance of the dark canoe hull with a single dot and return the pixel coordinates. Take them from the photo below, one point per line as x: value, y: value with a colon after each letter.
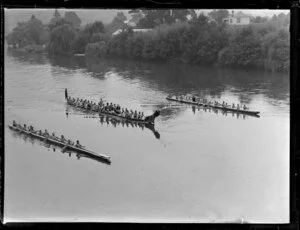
x: 253, y: 113
x: 113, y: 115
x: 61, y: 144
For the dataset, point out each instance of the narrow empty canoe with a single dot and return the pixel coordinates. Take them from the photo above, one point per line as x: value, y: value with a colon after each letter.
x: 249, y: 112
x: 62, y: 144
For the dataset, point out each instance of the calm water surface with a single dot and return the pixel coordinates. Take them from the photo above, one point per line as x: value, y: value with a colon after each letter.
x: 195, y: 166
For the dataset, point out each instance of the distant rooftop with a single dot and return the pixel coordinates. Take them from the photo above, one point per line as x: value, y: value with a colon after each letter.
x: 240, y: 14
x: 134, y: 30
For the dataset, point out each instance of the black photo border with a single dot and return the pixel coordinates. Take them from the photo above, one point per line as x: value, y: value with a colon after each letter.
x: 292, y: 5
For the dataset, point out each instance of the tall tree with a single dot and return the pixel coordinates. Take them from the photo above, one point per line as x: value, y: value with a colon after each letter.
x: 181, y: 14
x: 96, y: 27
x: 27, y: 33
x: 85, y: 36
x: 56, y: 17
x: 117, y: 23
x: 73, y: 18
x: 119, y: 19
x: 259, y: 19
x: 59, y: 22
x: 218, y: 15
x: 153, y: 18
x: 61, y: 39
x: 56, y: 14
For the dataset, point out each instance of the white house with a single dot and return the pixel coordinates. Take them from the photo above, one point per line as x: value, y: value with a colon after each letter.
x: 130, y: 23
x: 134, y: 30
x: 238, y: 18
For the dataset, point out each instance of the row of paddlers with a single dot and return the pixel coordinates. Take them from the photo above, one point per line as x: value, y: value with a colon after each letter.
x: 215, y: 105
x: 61, y: 141
x: 115, y: 112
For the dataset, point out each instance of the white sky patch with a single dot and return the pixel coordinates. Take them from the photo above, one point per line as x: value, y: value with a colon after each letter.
x: 259, y: 12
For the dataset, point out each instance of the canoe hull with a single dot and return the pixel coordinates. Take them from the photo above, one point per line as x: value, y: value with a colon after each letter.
x: 61, y: 144
x: 254, y: 113
x: 112, y: 115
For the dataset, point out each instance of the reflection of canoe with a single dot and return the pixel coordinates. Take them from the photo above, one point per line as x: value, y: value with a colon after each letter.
x: 147, y: 120
x: 113, y: 115
x: 118, y: 121
x: 255, y: 113
x: 64, y: 145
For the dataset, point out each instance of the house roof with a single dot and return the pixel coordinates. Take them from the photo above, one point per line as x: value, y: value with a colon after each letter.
x: 241, y: 15
x: 134, y: 30
x: 117, y: 32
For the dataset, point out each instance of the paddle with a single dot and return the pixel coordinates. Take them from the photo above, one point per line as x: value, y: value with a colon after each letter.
x: 21, y: 130
x: 64, y: 148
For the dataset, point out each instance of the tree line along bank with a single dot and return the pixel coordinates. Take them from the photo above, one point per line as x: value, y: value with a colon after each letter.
x: 172, y: 36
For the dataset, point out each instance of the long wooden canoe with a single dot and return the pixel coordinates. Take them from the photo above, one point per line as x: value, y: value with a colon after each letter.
x: 249, y: 112
x: 111, y: 114
x: 62, y: 144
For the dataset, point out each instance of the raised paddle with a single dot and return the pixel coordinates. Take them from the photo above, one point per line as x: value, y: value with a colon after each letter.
x: 66, y: 93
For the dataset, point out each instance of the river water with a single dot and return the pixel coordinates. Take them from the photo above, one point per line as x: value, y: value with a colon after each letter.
x: 194, y: 166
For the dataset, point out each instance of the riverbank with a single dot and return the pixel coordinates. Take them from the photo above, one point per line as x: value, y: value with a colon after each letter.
x: 266, y: 65
x: 264, y: 46
x: 30, y: 48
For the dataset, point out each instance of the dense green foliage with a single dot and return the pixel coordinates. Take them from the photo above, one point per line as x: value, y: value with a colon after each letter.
x: 59, y: 22
x: 61, y: 39
x: 96, y: 49
x: 85, y: 36
x: 175, y: 36
x: 153, y: 18
x: 28, y: 33
x: 218, y: 15
x: 73, y: 18
x: 205, y: 41
x: 117, y: 23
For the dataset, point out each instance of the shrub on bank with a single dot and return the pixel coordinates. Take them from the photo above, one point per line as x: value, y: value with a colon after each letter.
x: 97, y: 49
x: 61, y: 40
x: 34, y: 48
x: 201, y: 42
x: 198, y: 41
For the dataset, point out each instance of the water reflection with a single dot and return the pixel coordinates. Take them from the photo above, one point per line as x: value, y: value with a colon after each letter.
x: 67, y: 62
x: 213, y: 174
x: 113, y: 121
x: 125, y: 123
x: 222, y: 112
x: 29, y: 58
x: 183, y: 79
x: 175, y: 78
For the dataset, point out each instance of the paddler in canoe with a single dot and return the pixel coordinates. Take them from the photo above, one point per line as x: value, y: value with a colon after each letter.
x: 46, y: 134
x: 114, y: 109
x: 70, y: 142
x: 78, y: 145
x: 54, y: 137
x: 20, y: 126
x: 63, y: 139
x: 31, y: 129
